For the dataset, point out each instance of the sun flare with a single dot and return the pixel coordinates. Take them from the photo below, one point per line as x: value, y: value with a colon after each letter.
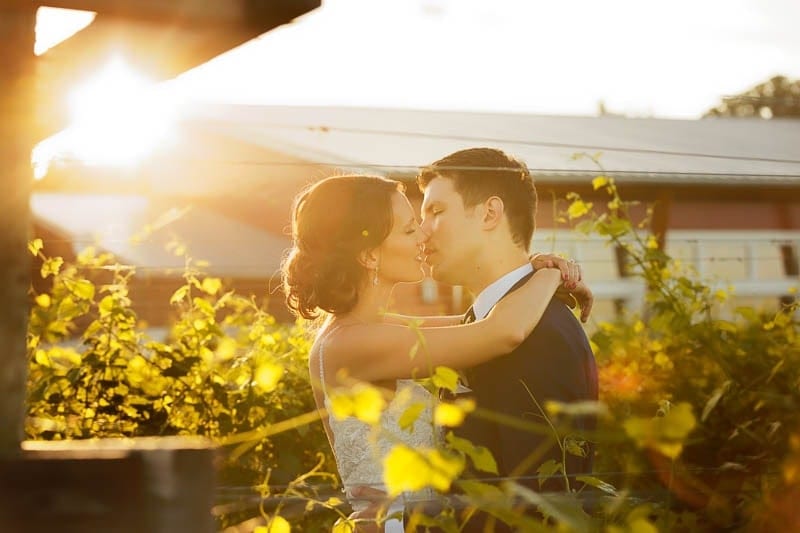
x: 118, y: 118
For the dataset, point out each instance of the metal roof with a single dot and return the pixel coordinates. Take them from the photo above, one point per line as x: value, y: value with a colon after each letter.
x: 720, y: 151
x: 113, y: 223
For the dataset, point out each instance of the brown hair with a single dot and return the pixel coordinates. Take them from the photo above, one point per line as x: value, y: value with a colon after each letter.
x: 479, y: 173
x: 333, y: 221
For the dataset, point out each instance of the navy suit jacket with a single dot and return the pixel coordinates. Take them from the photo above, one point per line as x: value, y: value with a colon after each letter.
x: 556, y: 363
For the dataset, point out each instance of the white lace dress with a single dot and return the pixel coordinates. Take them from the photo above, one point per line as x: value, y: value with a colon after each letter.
x: 360, y: 448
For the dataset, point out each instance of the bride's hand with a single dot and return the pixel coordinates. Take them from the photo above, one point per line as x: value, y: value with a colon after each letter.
x: 573, y: 291
x: 580, y: 293
x: 571, y: 273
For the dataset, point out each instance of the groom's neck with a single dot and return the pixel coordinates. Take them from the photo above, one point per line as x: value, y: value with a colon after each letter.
x: 495, y: 264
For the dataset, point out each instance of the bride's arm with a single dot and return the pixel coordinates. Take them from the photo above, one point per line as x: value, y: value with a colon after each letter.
x: 435, y: 321
x: 374, y: 352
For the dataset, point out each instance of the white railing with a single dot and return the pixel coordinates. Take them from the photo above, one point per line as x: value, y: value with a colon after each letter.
x: 749, y: 262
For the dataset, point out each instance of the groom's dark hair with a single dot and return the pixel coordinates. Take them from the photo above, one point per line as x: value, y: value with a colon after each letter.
x: 479, y: 173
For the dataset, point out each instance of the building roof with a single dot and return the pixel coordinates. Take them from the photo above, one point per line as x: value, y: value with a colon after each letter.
x: 720, y: 151
x: 138, y: 230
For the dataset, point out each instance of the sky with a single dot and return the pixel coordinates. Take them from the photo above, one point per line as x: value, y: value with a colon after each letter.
x: 666, y: 59
x: 639, y: 58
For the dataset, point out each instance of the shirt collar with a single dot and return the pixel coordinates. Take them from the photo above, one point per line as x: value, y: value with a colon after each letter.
x: 492, y: 294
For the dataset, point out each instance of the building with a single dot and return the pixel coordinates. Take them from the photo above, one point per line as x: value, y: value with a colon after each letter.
x: 725, y: 191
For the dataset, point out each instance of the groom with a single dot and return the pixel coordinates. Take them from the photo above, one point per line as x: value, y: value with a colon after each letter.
x: 478, y: 211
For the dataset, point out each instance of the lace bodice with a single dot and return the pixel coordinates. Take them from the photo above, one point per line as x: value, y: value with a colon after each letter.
x: 360, y: 448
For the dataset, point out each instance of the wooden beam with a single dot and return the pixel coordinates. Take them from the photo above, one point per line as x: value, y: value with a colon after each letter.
x: 159, y: 39
x: 17, y: 127
x: 261, y: 14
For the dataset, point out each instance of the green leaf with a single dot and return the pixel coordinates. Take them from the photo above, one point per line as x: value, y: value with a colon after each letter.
x: 179, y: 295
x: 564, y: 508
x: 598, y: 484
x: 548, y: 469
x: 575, y: 446
x: 714, y: 400
x: 576, y: 408
x: 481, y: 457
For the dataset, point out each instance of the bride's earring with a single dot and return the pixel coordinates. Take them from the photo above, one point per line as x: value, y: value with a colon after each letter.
x: 375, y: 277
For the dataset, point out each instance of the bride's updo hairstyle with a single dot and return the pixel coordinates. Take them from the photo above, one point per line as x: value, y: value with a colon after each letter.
x: 333, y: 221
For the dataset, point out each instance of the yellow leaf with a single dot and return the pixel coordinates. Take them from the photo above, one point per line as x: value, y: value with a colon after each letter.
x: 226, y: 349
x: 661, y: 359
x: 179, y: 295
x: 593, y: 345
x: 35, y: 246
x: 652, y: 243
x: 679, y: 421
x: 410, y: 415
x: 448, y: 414
x: 368, y: 405
x: 404, y: 470
x: 362, y: 401
x: 344, y: 526
x: 211, y: 285
x: 599, y: 182
x: 641, y: 525
x: 277, y: 524
x: 43, y: 300
x: 267, y: 376
x: 578, y: 208
x: 452, y: 414
x: 443, y: 469
x: 665, y: 433
x: 445, y: 378
x: 82, y: 288
x: 51, y: 265
x: 42, y: 358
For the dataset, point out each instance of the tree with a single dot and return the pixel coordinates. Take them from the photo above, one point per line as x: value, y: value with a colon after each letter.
x: 777, y: 97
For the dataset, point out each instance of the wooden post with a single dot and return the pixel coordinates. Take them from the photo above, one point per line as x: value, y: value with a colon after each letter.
x: 156, y: 484
x: 17, y: 131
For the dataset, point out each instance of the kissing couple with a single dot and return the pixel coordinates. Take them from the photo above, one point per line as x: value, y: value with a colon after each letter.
x: 355, y: 237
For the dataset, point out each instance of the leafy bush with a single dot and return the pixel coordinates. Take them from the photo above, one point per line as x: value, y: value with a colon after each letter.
x: 740, y: 375
x: 227, y: 368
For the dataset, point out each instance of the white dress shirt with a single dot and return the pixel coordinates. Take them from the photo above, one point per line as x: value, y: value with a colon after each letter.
x: 492, y: 294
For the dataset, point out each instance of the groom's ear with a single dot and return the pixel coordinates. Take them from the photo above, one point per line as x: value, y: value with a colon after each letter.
x: 368, y: 258
x: 493, y: 210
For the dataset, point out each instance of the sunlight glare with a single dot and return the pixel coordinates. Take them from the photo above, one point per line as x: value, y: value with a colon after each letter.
x: 55, y: 25
x: 118, y: 118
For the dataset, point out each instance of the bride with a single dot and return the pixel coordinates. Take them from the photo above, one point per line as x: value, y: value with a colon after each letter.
x: 354, y: 238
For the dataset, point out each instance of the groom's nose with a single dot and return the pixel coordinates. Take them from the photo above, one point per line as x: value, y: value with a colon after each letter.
x: 424, y: 225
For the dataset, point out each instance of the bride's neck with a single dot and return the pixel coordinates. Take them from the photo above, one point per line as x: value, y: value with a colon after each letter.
x: 373, y: 303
